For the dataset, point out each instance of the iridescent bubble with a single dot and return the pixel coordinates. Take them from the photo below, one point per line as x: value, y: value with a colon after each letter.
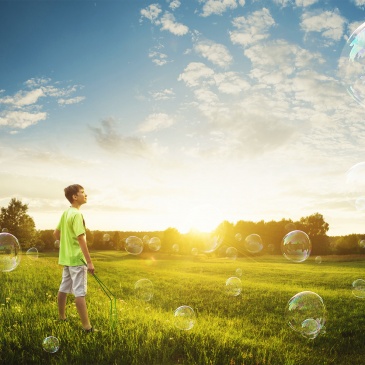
x: 194, y: 251
x: 57, y: 244
x: 306, y: 314
x: 351, y: 65
x: 211, y: 243
x: 358, y: 288
x: 175, y: 248
x: 133, y: 245
x: 231, y: 253
x: 9, y: 252
x: 5, y: 230
x: 154, y: 243
x: 253, y: 243
x: 318, y: 260
x: 106, y: 237
x: 238, y: 272
x: 296, y: 246
x: 238, y: 237
x: 146, y: 239
x: 233, y: 286
x: 51, y: 344
x: 144, y: 289
x: 184, y: 318
x: 32, y: 253
x: 355, y: 186
x: 362, y: 243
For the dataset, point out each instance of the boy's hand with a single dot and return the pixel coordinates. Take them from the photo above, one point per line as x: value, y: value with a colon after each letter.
x: 90, y: 268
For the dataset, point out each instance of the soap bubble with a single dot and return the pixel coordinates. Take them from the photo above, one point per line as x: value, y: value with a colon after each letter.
x: 175, y: 248
x: 51, y: 344
x: 32, y: 253
x: 106, y: 237
x: 296, y: 246
x: 133, y: 245
x: 238, y: 237
x: 362, y: 243
x: 57, y: 244
x: 253, y: 243
x: 306, y: 314
x: 154, y: 243
x: 9, y: 252
x: 145, y: 239
x: 352, y: 65
x: 144, y: 289
x: 358, y: 288
x: 194, y: 251
x: 231, y: 253
x: 233, y: 286
x: 318, y: 259
x: 239, y: 272
x: 355, y: 186
x: 184, y: 318
x: 5, y: 230
x: 211, y: 243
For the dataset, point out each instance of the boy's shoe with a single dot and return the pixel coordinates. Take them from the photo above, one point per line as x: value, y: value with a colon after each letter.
x: 90, y: 330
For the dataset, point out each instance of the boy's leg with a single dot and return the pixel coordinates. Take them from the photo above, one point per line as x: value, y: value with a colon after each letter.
x: 61, y: 300
x: 83, y: 313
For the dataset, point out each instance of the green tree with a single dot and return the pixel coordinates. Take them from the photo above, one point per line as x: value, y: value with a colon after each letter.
x: 16, y: 220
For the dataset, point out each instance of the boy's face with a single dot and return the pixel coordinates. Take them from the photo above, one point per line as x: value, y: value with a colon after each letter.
x: 80, y: 197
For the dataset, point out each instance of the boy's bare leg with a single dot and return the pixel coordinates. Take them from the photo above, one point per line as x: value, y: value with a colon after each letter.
x: 82, y: 309
x: 61, y: 300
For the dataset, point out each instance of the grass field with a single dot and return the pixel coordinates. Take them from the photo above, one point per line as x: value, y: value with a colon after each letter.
x: 250, y: 328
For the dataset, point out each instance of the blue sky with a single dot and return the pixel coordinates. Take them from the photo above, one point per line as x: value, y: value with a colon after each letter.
x: 182, y: 113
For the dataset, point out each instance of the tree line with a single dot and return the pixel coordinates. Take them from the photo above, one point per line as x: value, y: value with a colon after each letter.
x: 15, y: 219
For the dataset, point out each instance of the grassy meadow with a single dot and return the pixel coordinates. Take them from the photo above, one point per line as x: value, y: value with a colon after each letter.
x: 250, y: 328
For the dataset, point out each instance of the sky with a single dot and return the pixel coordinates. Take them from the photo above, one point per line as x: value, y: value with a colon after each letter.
x: 182, y: 113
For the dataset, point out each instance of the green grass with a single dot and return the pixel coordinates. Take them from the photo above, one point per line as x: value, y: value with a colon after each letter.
x: 248, y: 329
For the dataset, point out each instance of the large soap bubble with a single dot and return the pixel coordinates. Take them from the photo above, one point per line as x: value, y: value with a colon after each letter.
x: 133, y: 245
x: 352, y: 65
x: 306, y: 314
x: 184, y: 318
x: 144, y: 289
x: 296, y: 246
x: 9, y: 252
x: 231, y: 253
x: 253, y: 243
x: 355, y: 186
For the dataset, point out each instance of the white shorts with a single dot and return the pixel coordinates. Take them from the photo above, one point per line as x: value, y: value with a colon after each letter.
x: 74, y: 280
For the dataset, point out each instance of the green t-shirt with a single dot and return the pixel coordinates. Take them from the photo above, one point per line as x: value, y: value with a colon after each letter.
x: 71, y: 226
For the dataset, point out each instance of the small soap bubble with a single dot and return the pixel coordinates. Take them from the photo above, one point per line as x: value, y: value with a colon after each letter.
x: 184, y: 318
x: 106, y: 237
x: 238, y: 237
x: 318, y: 260
x: 296, y: 246
x: 32, y: 253
x: 233, y: 286
x: 238, y: 272
x: 253, y: 243
x: 133, y: 245
x: 154, y: 244
x: 358, y: 288
x: 194, y: 251
x: 144, y: 289
x: 9, y: 252
x: 231, y: 253
x: 175, y: 248
x: 51, y: 344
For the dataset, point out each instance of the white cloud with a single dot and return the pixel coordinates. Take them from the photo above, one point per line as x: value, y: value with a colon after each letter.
x: 169, y: 24
x: 70, y: 101
x: 253, y: 28
x: 151, y: 12
x: 305, y: 3
x: 156, y: 121
x: 329, y: 23
x: 23, y: 98
x: 20, y: 119
x: 196, y: 73
x: 359, y: 3
x: 216, y: 53
x: 231, y: 83
x: 158, y: 58
x: 218, y: 7
x: 165, y: 94
x: 174, y: 4
x: 283, y: 3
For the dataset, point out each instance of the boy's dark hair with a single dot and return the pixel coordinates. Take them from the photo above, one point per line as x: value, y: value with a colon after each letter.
x: 72, y: 190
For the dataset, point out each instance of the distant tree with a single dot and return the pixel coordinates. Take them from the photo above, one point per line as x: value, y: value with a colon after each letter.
x: 171, y: 236
x: 116, y: 240
x: 347, y: 245
x: 19, y: 223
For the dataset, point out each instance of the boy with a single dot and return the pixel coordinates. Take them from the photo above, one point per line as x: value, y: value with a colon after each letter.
x: 73, y: 252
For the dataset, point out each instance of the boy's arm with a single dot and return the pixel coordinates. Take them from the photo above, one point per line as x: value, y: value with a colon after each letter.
x: 85, y: 251
x: 57, y: 234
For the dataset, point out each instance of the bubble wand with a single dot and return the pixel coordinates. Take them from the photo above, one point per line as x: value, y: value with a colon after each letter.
x: 111, y: 296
